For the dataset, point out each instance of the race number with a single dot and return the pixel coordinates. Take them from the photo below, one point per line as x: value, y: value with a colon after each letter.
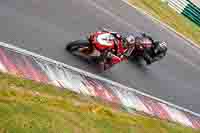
x: 105, y: 39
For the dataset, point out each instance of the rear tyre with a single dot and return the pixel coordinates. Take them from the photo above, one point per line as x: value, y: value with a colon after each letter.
x: 147, y: 59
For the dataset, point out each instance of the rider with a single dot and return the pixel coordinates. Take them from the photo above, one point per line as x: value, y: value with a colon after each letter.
x: 150, y: 54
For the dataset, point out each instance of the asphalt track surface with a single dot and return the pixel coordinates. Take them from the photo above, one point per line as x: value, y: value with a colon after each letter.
x: 45, y: 26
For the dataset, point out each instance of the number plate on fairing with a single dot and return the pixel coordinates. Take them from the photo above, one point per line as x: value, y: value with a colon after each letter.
x: 106, y: 39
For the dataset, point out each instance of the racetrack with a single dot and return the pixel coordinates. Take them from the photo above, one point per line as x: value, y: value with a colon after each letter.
x: 45, y: 26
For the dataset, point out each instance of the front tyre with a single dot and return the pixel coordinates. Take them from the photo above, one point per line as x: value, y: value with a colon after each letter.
x: 74, y: 46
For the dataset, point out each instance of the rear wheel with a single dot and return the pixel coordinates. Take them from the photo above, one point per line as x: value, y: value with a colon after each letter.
x: 147, y: 59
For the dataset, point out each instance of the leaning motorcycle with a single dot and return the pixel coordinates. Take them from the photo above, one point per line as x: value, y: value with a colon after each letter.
x: 96, y: 48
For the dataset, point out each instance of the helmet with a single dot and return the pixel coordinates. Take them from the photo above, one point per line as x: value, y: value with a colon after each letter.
x: 161, y: 46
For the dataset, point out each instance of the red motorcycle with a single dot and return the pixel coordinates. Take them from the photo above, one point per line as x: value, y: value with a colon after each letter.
x: 98, y: 48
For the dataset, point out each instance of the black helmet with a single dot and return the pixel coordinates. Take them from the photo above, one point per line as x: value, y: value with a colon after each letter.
x: 161, y: 46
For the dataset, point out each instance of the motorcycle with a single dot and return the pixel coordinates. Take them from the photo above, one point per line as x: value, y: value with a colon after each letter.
x: 98, y: 45
x: 97, y: 48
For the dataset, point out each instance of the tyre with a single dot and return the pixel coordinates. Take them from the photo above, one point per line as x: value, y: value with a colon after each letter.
x: 76, y: 45
x: 147, y: 59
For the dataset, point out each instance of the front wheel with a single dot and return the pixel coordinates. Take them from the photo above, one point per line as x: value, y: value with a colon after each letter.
x: 75, y: 46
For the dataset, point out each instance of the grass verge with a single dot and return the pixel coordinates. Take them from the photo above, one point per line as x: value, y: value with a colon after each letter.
x: 29, y: 107
x: 164, y: 13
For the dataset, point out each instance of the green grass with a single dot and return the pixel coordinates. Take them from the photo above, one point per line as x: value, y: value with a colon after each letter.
x: 164, y: 13
x: 29, y: 107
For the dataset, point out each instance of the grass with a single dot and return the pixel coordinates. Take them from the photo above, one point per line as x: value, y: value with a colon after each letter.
x: 29, y: 107
x: 164, y: 13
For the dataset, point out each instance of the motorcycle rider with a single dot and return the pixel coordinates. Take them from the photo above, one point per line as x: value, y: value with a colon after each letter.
x: 150, y: 54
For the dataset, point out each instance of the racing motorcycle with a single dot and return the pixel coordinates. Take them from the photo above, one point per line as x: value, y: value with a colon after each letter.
x: 97, y: 48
